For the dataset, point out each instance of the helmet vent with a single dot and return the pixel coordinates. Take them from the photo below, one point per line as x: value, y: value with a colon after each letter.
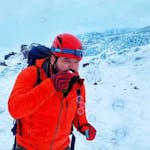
x: 60, y: 40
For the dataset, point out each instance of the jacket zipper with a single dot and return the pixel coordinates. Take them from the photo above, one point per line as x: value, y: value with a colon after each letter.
x: 57, y: 125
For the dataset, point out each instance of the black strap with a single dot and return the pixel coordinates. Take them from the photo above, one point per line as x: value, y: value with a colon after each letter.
x: 14, y: 129
x: 46, y: 67
x: 73, y: 140
x: 38, y: 76
x: 14, y: 145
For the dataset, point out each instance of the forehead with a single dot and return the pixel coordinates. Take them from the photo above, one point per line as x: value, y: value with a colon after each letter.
x: 68, y: 59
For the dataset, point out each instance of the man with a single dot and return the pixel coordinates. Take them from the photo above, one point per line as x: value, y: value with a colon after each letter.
x: 47, y: 111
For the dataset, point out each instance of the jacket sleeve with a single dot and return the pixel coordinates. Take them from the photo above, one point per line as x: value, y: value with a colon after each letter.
x: 26, y: 98
x: 80, y: 121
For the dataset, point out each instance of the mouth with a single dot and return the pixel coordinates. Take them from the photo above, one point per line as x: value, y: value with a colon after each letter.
x: 71, y: 71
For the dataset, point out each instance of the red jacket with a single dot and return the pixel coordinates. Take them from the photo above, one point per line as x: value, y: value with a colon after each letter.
x: 45, y: 115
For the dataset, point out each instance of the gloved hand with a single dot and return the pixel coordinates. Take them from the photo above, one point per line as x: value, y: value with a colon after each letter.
x: 90, y: 133
x: 62, y: 80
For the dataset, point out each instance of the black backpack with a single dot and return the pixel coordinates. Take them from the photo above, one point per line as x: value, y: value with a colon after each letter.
x: 38, y: 52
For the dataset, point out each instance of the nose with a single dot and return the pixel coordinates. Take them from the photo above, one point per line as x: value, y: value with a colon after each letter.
x: 73, y: 66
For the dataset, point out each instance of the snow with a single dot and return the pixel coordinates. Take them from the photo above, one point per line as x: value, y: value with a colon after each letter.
x: 118, y: 99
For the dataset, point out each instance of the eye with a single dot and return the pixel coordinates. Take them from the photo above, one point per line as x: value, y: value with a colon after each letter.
x: 67, y: 61
x: 76, y: 62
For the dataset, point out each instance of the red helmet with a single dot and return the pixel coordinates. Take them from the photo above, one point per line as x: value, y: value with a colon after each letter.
x: 67, y: 45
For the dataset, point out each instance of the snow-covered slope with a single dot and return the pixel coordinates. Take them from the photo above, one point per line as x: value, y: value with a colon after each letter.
x: 118, y: 100
x: 118, y: 97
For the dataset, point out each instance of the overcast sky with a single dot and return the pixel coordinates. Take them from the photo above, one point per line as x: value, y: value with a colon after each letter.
x: 27, y: 21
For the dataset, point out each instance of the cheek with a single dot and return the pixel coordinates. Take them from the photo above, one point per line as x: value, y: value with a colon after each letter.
x: 76, y: 67
x: 61, y: 67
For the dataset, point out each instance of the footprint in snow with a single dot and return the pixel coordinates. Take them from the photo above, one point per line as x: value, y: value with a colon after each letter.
x: 118, y: 105
x: 118, y: 135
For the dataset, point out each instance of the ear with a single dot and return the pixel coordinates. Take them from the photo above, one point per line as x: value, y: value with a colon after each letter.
x: 52, y: 59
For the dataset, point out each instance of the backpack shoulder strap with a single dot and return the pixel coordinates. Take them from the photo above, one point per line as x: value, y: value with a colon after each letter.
x: 46, y: 68
x: 38, y: 81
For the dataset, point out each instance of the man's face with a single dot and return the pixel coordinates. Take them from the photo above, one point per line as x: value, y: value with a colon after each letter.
x: 64, y: 63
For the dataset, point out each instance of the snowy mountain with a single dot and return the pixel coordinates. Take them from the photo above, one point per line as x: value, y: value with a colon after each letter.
x: 116, y: 71
x: 115, y: 40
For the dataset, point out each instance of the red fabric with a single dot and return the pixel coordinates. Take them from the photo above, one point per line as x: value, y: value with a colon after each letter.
x: 45, y: 115
x: 91, y: 133
x: 61, y: 80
